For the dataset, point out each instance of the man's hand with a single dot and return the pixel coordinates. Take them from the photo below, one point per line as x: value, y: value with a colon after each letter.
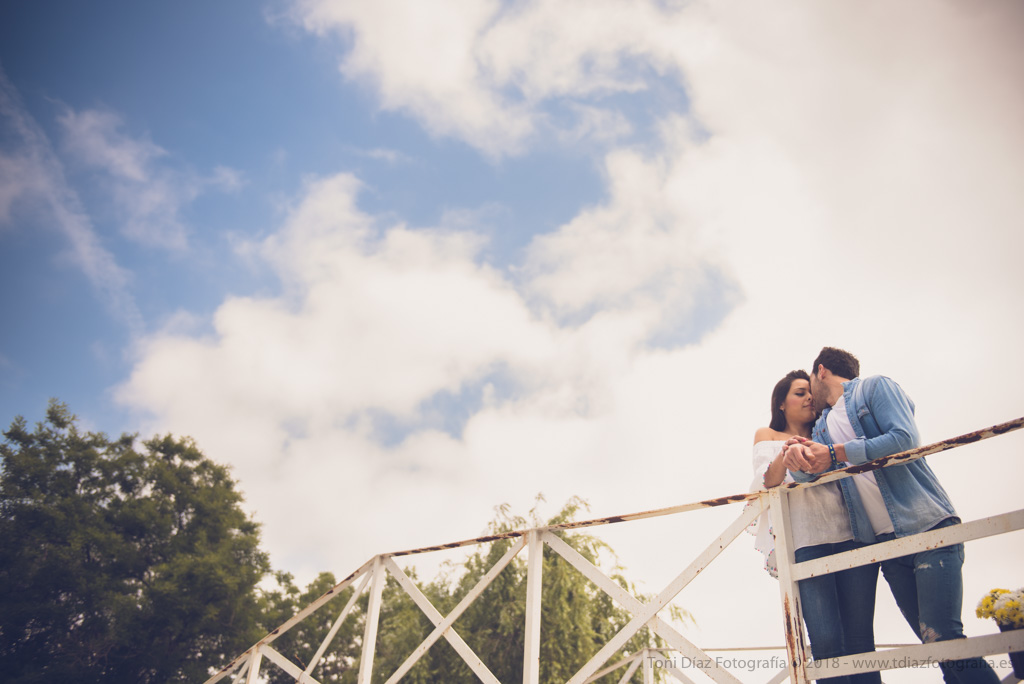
x: 796, y: 457
x: 805, y: 455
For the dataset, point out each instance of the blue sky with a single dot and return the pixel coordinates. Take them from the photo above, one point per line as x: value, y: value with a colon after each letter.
x: 219, y: 88
x: 398, y: 265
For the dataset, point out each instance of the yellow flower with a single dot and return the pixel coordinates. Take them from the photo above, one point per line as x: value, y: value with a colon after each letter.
x: 1004, y: 606
x: 986, y: 607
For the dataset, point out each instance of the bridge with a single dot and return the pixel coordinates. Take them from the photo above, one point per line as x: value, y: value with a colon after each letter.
x: 797, y: 666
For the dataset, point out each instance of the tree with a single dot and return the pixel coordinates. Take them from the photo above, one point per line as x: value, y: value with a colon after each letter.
x: 577, y: 617
x: 120, y: 563
x: 340, y: 663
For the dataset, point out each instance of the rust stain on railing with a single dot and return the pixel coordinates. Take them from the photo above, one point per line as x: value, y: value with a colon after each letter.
x: 918, y: 452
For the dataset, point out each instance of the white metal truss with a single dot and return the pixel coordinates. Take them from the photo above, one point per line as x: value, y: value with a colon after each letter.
x: 800, y: 669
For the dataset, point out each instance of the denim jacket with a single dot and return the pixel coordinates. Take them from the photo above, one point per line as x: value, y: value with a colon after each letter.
x: 882, y: 416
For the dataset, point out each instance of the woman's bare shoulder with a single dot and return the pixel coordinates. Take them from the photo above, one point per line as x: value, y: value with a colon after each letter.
x: 766, y: 434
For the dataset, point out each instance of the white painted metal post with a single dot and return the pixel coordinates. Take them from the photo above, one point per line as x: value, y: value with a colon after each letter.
x: 648, y: 666
x: 254, y: 667
x: 534, y: 569
x: 778, y: 498
x: 372, y: 616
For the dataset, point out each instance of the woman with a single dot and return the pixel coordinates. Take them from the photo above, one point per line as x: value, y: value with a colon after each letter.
x: 838, y: 608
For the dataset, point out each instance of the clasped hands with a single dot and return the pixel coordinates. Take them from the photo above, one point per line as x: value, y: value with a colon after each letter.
x: 800, y: 453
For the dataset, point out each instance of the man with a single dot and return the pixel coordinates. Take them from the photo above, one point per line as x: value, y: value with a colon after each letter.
x: 863, y: 420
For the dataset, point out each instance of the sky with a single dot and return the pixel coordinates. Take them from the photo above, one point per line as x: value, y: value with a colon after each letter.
x: 399, y: 263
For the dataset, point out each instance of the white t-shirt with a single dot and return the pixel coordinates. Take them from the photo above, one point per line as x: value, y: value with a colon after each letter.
x: 841, y: 431
x: 817, y: 514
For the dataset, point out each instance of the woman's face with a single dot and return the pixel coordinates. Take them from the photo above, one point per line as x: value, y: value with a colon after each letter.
x: 799, y: 407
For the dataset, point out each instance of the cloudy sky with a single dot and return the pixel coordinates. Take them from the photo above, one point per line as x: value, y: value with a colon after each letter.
x: 398, y: 262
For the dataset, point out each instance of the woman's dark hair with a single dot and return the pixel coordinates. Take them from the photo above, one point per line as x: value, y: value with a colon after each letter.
x: 779, y: 398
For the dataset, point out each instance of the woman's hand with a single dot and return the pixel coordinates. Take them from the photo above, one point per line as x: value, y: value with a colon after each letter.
x: 796, y: 456
x: 807, y: 456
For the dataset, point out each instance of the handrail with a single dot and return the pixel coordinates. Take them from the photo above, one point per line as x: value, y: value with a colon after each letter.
x: 248, y: 663
x: 895, y: 459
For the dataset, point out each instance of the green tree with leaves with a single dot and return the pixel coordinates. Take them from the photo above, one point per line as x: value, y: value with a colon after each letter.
x: 120, y: 561
x: 340, y: 662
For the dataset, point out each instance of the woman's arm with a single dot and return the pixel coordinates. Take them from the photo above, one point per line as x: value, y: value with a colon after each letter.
x: 775, y: 472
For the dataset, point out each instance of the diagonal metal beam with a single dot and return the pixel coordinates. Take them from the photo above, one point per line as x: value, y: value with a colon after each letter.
x: 615, y: 666
x: 331, y: 594
x: 650, y: 610
x: 634, y: 666
x: 634, y: 605
x: 441, y: 627
x: 461, y: 647
x: 241, y: 671
x: 336, y: 626
x: 912, y: 454
x: 274, y: 656
x: 678, y: 674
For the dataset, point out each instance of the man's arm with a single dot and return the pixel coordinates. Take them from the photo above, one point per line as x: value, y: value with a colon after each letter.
x: 892, y: 412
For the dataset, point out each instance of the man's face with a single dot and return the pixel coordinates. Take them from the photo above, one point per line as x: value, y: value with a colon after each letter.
x: 819, y: 393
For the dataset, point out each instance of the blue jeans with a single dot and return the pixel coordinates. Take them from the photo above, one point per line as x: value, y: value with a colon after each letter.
x: 839, y: 610
x: 928, y: 588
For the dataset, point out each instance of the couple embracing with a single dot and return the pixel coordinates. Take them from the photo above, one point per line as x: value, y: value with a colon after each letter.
x: 830, y: 419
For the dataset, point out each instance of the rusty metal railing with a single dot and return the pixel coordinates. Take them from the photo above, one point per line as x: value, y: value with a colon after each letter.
x: 799, y: 668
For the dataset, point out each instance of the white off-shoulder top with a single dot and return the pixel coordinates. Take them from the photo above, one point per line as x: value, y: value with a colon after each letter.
x: 817, y: 514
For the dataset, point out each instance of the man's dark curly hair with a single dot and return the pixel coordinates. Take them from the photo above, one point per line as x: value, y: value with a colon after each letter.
x: 840, y: 362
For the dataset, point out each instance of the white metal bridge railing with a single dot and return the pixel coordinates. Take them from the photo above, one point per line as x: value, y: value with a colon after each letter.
x: 799, y: 668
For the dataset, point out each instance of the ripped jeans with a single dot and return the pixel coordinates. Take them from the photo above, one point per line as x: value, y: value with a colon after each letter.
x: 839, y: 610
x: 928, y: 588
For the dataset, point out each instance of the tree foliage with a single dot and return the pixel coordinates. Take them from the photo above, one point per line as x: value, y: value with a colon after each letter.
x: 123, y: 560
x: 120, y: 563
x: 577, y: 618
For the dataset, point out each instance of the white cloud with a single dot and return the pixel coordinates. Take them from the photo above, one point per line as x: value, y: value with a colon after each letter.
x: 552, y: 48
x: 386, y: 155
x: 147, y: 193
x: 635, y: 252
x: 419, y: 58
x: 19, y: 180
x: 372, y: 321
x: 31, y: 174
x: 854, y: 180
x: 227, y: 179
x: 482, y: 71
x: 95, y: 137
x: 595, y: 123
